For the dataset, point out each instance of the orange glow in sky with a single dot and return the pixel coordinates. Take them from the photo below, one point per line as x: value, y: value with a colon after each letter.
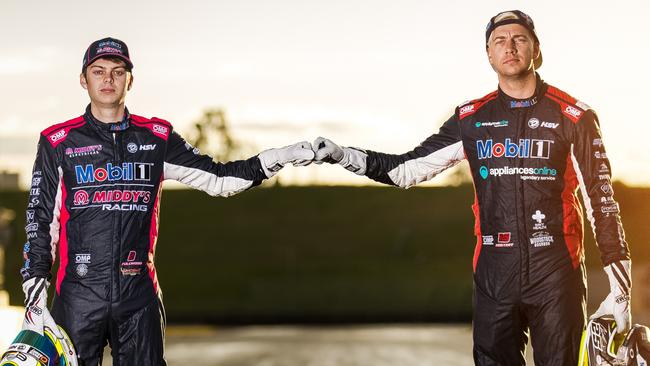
x: 376, y: 74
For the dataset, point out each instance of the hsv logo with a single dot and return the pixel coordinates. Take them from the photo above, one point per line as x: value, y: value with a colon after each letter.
x: 126, y: 172
x: 549, y: 124
x: 57, y: 135
x: 527, y: 148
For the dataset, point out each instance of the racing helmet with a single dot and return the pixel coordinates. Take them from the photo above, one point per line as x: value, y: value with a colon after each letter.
x: 601, y: 346
x: 32, y: 349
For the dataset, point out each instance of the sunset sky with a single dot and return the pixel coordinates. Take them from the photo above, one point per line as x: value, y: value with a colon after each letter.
x: 377, y: 74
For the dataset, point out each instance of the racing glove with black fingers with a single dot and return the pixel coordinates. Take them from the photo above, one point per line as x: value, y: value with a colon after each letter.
x: 299, y: 154
x: 617, y: 303
x: 350, y: 158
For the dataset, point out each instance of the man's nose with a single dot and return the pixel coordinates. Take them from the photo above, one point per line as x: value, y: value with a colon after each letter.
x: 510, y: 46
x: 108, y: 77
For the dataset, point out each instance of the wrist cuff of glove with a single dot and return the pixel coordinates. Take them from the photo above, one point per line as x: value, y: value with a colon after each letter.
x: 354, y: 160
x: 619, y: 274
x: 270, y: 162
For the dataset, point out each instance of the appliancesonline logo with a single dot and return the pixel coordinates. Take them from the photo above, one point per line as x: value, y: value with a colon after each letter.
x: 543, y: 173
x: 125, y: 172
x: 526, y: 148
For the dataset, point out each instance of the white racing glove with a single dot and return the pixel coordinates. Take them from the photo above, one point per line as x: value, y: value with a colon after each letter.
x: 273, y: 160
x: 37, y: 316
x: 351, y: 159
x: 617, y: 303
x: 35, y: 290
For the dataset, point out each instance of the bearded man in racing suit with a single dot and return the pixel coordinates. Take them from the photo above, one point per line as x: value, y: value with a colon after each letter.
x: 529, y: 146
x: 95, y: 201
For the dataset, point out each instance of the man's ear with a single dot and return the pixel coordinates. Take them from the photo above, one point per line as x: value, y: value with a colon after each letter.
x: 82, y: 81
x: 130, y: 82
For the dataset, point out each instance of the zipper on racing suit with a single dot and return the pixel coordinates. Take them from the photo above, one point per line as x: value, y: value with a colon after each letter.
x: 118, y: 158
x: 521, y: 118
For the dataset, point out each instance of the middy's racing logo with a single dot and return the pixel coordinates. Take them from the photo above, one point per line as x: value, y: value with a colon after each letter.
x: 126, y: 172
x: 527, y: 148
x: 113, y: 200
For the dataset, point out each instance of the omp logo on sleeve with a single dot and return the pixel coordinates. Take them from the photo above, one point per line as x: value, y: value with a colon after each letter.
x: 125, y: 172
x: 58, y: 135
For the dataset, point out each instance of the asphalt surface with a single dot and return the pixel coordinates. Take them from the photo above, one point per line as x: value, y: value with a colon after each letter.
x: 372, y: 345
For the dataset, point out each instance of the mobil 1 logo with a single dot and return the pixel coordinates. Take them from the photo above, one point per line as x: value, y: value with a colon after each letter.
x: 125, y: 172
x: 524, y: 148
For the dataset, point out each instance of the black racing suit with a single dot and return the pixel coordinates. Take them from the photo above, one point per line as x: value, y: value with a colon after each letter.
x: 527, y: 159
x: 95, y: 200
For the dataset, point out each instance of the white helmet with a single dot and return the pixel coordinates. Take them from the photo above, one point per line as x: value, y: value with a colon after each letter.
x: 602, y: 346
x: 32, y: 349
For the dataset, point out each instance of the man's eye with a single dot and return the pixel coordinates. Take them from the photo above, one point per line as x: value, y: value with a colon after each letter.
x: 98, y: 72
x: 119, y: 73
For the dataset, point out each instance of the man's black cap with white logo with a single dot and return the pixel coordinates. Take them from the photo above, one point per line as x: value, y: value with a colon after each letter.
x: 513, y: 17
x: 107, y: 47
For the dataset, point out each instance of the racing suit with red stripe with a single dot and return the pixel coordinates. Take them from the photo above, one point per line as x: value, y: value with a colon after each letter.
x: 95, y: 201
x: 527, y: 160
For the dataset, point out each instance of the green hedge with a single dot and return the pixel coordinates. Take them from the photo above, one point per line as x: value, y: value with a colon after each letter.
x: 320, y: 254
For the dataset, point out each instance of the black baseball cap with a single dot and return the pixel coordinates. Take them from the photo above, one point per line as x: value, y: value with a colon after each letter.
x: 513, y: 17
x: 107, y: 47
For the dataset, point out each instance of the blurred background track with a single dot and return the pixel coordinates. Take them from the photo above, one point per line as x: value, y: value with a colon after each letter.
x: 387, y: 345
x: 319, y: 255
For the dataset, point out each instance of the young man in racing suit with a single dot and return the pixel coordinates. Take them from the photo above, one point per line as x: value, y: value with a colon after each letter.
x: 529, y: 147
x: 95, y: 201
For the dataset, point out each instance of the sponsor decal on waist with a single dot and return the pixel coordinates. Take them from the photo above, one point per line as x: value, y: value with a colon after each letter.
x: 82, y: 261
x: 539, y: 217
x: 131, y: 266
x: 82, y: 258
x: 541, y: 239
x: 504, y: 240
